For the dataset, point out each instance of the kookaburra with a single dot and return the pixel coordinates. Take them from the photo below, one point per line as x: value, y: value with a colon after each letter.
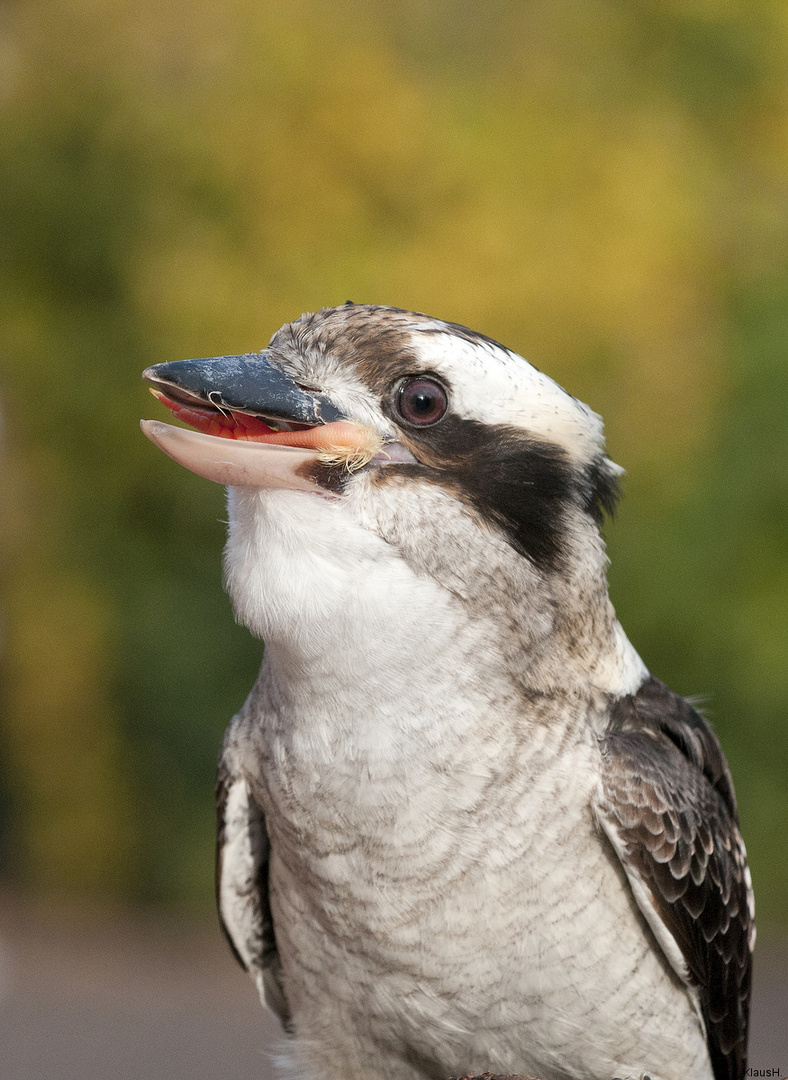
x: 461, y: 827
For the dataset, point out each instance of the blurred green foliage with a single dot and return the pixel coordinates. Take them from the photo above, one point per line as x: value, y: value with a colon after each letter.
x: 602, y: 185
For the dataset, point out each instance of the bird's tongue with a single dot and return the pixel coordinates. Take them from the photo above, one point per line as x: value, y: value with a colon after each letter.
x: 241, y: 426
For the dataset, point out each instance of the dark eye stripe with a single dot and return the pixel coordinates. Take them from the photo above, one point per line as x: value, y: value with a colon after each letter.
x: 527, y: 488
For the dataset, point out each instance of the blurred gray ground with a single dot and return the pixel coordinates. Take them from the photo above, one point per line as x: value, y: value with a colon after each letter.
x: 132, y: 999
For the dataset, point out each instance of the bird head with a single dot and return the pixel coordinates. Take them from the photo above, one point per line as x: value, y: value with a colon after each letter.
x: 366, y: 389
x: 474, y: 465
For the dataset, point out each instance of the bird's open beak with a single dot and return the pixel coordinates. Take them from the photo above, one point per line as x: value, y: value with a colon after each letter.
x: 255, y: 425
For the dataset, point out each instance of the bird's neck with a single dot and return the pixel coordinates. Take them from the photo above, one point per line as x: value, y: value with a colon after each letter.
x: 342, y: 607
x: 588, y: 646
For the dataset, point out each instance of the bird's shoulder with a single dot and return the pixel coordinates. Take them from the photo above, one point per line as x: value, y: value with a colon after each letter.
x: 667, y: 804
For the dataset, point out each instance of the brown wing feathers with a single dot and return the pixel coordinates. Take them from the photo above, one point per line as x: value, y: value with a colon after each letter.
x: 669, y: 797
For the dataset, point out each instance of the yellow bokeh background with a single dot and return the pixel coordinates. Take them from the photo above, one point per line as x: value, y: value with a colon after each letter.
x: 603, y: 186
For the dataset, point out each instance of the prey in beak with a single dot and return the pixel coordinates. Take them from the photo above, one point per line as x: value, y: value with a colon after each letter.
x: 255, y: 426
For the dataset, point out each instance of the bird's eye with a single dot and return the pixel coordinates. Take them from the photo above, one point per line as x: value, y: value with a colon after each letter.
x: 421, y: 401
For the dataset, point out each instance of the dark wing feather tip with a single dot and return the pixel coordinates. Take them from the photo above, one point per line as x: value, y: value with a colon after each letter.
x: 247, y: 922
x: 669, y: 797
